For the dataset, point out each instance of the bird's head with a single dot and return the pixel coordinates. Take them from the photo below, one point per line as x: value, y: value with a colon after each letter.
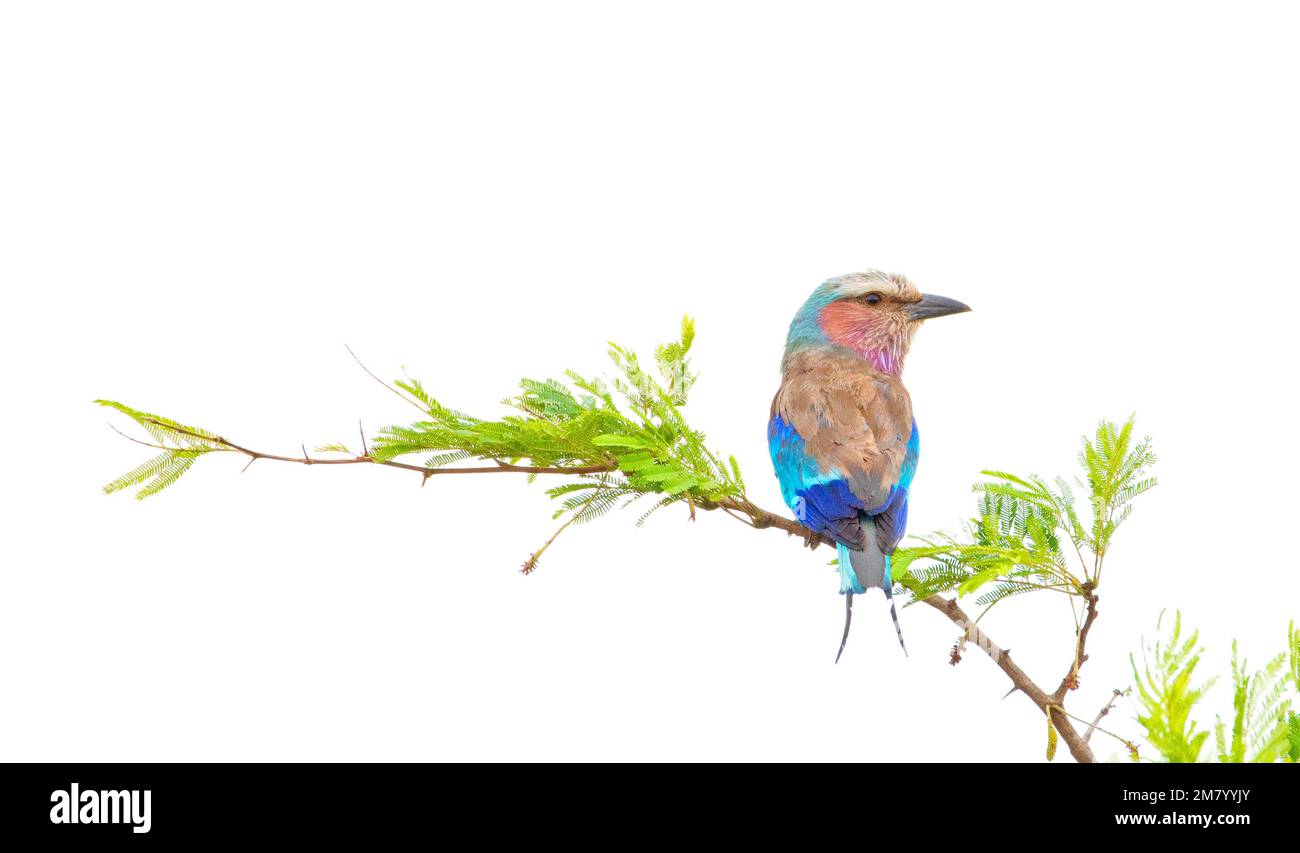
x: 872, y: 313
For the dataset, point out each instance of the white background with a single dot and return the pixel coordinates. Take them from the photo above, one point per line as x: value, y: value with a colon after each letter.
x: 200, y: 204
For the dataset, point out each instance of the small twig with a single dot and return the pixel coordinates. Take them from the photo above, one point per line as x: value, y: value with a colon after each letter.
x: 530, y: 565
x: 742, y: 519
x: 138, y: 441
x: 382, y: 382
x: 1132, y: 747
x: 1087, y: 736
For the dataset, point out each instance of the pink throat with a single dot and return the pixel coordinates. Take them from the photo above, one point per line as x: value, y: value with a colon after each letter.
x: 885, y: 359
x: 870, y: 336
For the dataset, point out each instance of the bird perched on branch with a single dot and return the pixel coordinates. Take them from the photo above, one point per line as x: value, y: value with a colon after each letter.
x: 843, y: 440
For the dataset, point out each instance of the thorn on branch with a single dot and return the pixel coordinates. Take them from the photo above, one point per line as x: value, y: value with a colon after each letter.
x: 247, y: 464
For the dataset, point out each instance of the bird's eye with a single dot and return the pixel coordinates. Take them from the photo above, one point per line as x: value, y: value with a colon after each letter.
x: 874, y: 298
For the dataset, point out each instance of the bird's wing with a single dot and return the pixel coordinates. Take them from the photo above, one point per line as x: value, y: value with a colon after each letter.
x: 891, y: 522
x: 839, y: 437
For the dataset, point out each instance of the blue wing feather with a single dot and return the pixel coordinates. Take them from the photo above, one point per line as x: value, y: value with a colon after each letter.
x: 822, y: 499
x: 818, y: 498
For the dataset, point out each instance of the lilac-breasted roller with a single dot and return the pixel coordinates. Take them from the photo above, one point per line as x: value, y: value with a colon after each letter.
x: 843, y: 440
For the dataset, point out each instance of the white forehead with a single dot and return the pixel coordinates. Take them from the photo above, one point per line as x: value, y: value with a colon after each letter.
x: 861, y: 283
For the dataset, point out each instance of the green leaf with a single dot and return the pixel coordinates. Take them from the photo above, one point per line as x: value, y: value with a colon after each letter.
x: 1167, y: 695
x: 609, y: 440
x: 180, y: 444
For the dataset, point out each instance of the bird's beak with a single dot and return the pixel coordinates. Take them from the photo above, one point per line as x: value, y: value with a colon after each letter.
x: 932, y: 306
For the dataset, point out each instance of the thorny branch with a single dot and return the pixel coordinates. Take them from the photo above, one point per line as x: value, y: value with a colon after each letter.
x: 1050, y: 704
x: 498, y: 468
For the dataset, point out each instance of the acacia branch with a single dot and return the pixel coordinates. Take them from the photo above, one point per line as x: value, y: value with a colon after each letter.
x: 1046, y: 703
x: 745, y: 510
x: 1049, y: 704
x: 498, y: 468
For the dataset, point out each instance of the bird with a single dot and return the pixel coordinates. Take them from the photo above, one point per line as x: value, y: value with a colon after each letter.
x: 843, y: 440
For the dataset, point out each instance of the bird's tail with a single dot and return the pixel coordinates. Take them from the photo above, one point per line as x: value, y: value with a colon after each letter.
x: 860, y: 571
